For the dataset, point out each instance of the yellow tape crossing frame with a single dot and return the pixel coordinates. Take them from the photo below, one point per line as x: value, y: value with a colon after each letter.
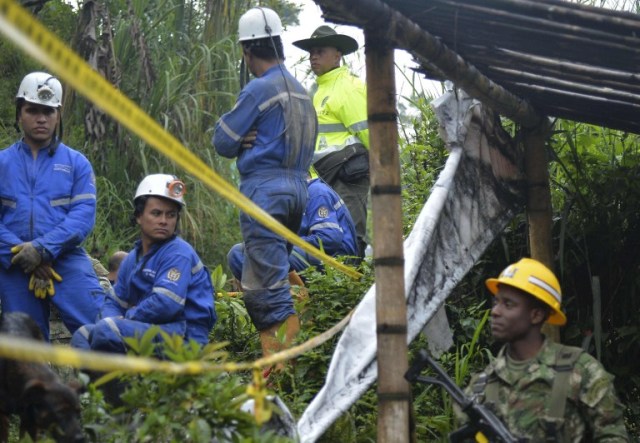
x: 27, y: 33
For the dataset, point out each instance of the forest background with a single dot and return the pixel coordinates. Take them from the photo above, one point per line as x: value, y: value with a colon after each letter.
x: 179, y: 61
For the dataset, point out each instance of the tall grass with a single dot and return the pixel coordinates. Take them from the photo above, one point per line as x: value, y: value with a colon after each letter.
x: 178, y: 61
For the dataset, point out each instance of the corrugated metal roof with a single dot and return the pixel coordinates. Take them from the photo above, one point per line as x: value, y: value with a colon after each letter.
x: 566, y: 60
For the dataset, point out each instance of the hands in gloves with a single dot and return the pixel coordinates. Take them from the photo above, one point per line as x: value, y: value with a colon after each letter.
x: 26, y: 256
x: 41, y: 282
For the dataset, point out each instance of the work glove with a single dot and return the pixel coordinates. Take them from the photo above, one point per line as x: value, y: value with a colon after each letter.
x: 27, y: 257
x: 41, y: 285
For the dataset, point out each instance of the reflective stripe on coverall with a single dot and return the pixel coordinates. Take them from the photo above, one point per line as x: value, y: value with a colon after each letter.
x: 50, y: 201
x: 273, y: 173
x: 326, y: 224
x: 169, y: 287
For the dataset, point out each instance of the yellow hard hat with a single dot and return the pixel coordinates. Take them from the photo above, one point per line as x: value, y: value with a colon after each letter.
x: 534, y: 278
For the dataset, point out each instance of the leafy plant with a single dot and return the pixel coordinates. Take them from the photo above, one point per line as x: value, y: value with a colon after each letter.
x: 435, y: 415
x: 163, y: 407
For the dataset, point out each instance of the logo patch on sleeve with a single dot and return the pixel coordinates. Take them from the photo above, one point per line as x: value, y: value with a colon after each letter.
x: 173, y: 274
x: 323, y: 212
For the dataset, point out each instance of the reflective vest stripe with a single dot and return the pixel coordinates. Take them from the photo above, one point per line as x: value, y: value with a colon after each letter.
x: 67, y: 201
x: 325, y: 225
x: 123, y: 304
x: 359, y: 126
x: 8, y: 203
x: 172, y: 295
x: 227, y: 130
x: 331, y: 127
x: 197, y: 268
x: 283, y: 96
x: 113, y: 326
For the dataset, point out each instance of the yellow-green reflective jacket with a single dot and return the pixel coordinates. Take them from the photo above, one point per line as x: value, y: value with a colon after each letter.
x: 341, y: 105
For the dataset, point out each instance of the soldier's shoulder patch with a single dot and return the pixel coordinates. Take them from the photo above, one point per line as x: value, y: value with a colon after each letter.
x: 173, y: 274
x: 323, y: 212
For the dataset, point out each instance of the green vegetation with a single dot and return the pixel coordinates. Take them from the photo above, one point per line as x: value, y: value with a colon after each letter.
x: 179, y: 61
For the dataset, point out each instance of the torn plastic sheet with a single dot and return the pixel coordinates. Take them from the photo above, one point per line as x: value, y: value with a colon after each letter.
x: 475, y: 196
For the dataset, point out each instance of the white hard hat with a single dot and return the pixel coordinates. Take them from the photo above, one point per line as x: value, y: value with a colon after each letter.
x: 41, y: 88
x: 259, y: 23
x: 162, y: 185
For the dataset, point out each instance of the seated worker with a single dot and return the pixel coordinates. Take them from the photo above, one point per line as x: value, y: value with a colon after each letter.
x: 47, y: 209
x: 162, y: 281
x: 326, y: 224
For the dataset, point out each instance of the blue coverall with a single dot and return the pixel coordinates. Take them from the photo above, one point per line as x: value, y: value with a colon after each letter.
x: 272, y: 174
x: 326, y: 224
x: 50, y: 201
x: 169, y: 287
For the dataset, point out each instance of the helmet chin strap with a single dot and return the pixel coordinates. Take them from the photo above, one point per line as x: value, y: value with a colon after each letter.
x: 53, y: 146
x: 244, y: 73
x: 15, y: 124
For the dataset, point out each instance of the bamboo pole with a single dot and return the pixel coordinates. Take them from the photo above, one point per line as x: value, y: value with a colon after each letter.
x: 619, y: 116
x: 544, y: 26
x: 620, y: 79
x: 549, y: 72
x: 622, y: 97
x: 484, y: 25
x: 561, y: 8
x: 405, y: 34
x: 391, y: 308
x: 539, y: 211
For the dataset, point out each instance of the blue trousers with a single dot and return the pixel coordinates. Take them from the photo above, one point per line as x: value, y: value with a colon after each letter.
x: 282, y: 194
x: 78, y: 297
x: 107, y: 335
x: 299, y: 260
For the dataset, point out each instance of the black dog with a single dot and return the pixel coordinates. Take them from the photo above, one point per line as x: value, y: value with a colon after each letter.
x: 35, y: 392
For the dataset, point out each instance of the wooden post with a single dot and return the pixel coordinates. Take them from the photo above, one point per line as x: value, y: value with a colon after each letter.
x: 391, y: 307
x: 539, y: 211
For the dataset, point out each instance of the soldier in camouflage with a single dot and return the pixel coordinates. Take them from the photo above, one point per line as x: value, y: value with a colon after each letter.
x: 543, y: 391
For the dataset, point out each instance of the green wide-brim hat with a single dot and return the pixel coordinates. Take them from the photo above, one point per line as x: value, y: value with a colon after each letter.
x: 326, y: 36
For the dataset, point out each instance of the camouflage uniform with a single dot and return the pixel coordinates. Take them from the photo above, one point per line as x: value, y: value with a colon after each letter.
x: 102, y: 274
x: 592, y: 410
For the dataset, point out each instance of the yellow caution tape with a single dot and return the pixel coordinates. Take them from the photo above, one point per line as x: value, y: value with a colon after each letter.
x: 258, y: 391
x: 27, y: 33
x: 228, y: 294
x: 23, y: 349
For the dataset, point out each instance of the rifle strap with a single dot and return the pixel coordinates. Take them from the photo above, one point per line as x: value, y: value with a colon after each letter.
x: 557, y: 401
x: 487, y: 387
x: 566, y: 358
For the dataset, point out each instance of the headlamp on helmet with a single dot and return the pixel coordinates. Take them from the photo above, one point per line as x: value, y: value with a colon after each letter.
x: 40, y: 88
x: 162, y: 185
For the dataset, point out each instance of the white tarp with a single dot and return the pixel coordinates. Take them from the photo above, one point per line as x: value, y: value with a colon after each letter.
x: 474, y: 198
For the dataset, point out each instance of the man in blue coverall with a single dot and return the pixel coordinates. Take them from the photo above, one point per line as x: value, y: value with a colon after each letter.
x: 47, y: 209
x: 162, y: 280
x: 327, y: 225
x: 271, y: 131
